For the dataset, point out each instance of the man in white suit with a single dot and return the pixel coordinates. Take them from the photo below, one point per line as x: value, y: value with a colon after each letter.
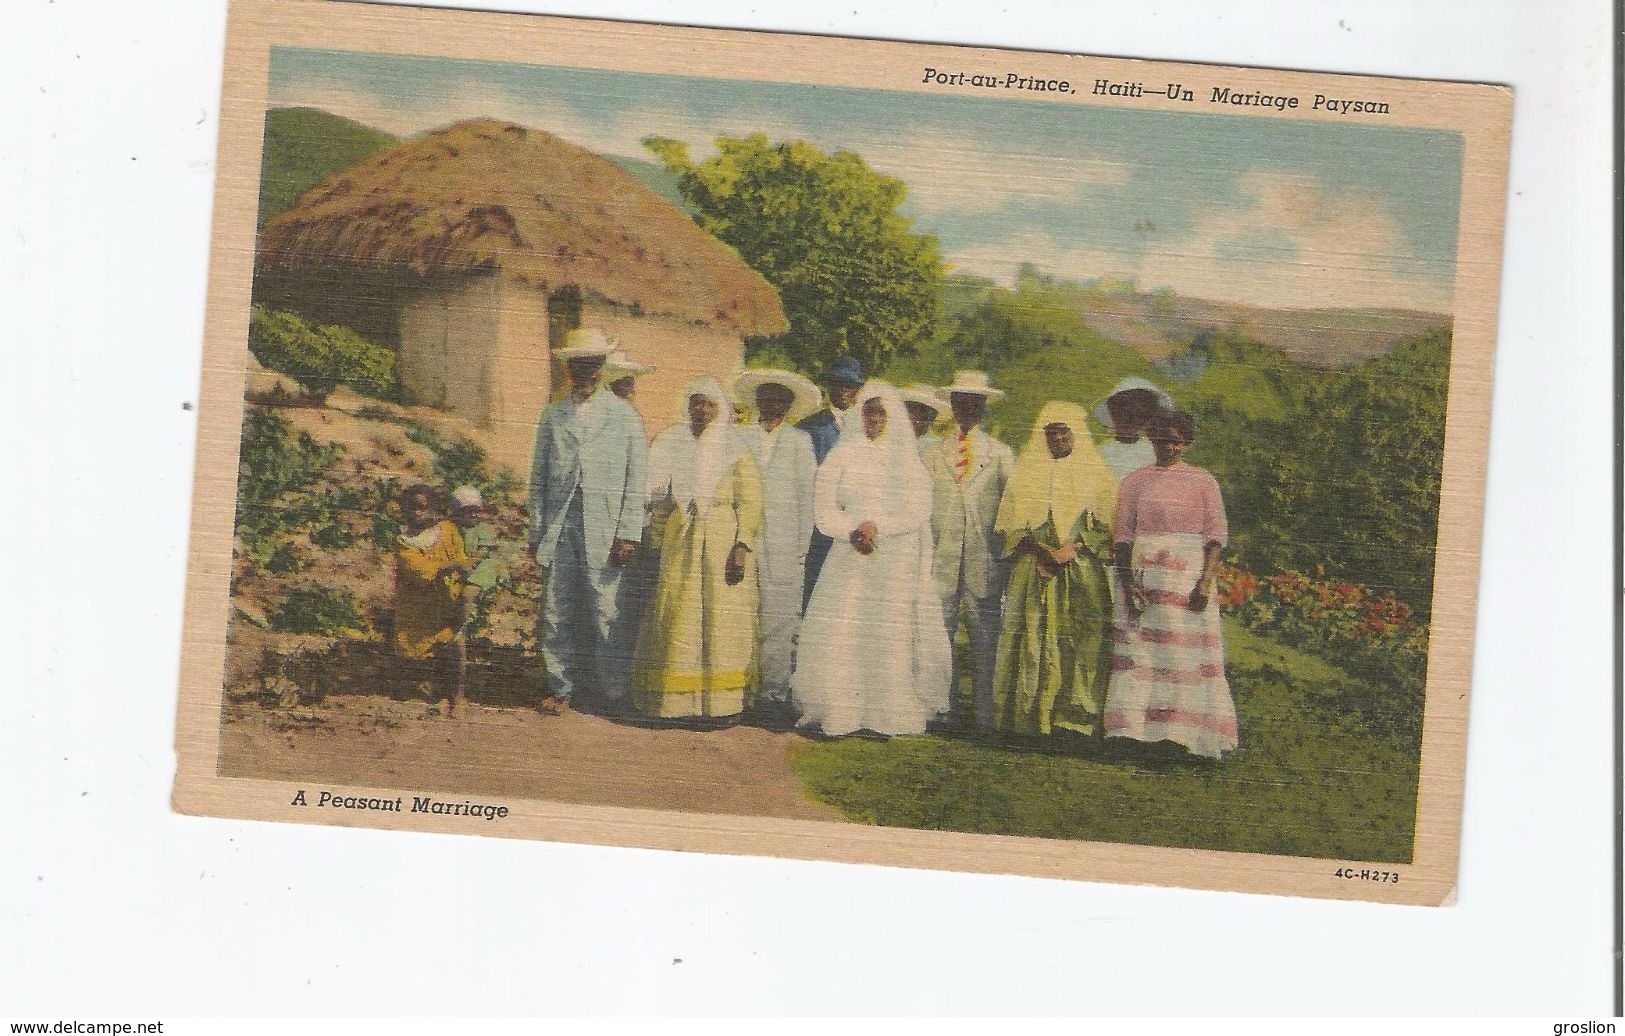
x: 969, y: 470
x: 784, y: 453
x: 586, y: 518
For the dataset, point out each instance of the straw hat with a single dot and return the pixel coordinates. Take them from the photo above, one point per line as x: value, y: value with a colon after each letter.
x: 585, y: 343
x: 1104, y: 416
x: 806, y: 394
x: 972, y: 383
x: 926, y: 396
x: 619, y: 365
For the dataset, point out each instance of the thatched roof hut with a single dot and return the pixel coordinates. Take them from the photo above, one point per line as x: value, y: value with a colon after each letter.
x: 473, y: 249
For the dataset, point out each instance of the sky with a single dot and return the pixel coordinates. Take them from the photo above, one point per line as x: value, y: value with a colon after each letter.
x: 1267, y: 212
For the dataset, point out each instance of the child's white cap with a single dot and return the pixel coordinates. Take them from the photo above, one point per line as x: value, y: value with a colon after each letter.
x: 467, y: 496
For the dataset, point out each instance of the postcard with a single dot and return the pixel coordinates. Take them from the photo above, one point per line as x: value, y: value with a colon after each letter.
x: 839, y: 449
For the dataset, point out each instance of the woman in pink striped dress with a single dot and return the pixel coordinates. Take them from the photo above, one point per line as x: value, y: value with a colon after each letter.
x: 1168, y: 680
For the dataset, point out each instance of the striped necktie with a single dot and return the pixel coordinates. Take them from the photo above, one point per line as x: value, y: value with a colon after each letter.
x: 962, y: 465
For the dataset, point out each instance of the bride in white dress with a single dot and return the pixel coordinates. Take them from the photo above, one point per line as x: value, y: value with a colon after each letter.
x: 873, y: 653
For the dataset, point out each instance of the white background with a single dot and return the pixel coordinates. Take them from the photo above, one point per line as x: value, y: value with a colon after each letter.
x: 109, y: 904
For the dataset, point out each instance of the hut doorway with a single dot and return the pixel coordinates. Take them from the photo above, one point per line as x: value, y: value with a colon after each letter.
x: 563, y: 314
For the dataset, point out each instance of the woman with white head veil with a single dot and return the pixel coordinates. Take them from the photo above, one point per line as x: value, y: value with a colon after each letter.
x: 696, y: 654
x: 874, y: 655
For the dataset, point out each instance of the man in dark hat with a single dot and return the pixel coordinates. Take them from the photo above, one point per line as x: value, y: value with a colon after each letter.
x: 842, y: 383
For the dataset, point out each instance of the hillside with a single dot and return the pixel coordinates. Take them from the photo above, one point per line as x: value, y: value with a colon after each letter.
x: 1313, y: 337
x: 303, y: 147
x: 1161, y: 325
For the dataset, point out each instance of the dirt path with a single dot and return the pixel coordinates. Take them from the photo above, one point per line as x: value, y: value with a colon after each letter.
x: 377, y: 742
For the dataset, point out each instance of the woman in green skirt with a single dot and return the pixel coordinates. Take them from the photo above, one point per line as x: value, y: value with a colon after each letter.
x: 1055, y: 650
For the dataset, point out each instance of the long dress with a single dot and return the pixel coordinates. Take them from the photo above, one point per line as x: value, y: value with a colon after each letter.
x: 873, y: 655
x: 1168, y: 681
x: 427, y: 603
x: 1055, y: 647
x: 696, y: 654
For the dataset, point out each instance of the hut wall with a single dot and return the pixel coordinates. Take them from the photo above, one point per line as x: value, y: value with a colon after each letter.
x: 680, y: 351
x: 449, y: 328
x: 493, y: 363
x: 521, y: 380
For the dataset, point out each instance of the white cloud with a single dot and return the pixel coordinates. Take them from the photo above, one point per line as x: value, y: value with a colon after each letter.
x: 947, y: 173
x: 1336, y: 249
x: 1347, y: 250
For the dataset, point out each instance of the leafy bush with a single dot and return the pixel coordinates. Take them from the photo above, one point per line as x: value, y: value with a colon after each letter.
x: 331, y: 535
x: 274, y: 463
x: 317, y: 609
x: 320, y: 358
x: 287, y: 558
x: 274, y: 460
x: 385, y: 526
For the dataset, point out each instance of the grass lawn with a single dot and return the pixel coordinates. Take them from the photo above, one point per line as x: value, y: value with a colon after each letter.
x: 1308, y: 779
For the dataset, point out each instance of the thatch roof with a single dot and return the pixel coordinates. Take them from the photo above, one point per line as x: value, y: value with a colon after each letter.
x: 486, y: 194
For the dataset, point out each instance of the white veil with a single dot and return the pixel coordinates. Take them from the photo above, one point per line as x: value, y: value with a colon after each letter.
x: 895, y: 451
x: 690, y: 469
x: 887, y: 667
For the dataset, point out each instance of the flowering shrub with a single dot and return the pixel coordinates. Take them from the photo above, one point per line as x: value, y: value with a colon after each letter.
x: 1373, y: 636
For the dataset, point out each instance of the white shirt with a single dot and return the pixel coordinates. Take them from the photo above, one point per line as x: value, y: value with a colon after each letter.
x: 767, y: 441
x: 590, y: 413
x: 1124, y: 457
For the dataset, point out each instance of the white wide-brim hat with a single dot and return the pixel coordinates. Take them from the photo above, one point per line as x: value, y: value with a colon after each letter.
x: 1104, y: 416
x: 973, y: 383
x: 619, y: 365
x: 925, y: 395
x: 807, y: 396
x: 585, y: 343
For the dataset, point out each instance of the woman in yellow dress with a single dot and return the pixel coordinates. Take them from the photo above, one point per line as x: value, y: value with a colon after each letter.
x: 696, y: 654
x: 429, y: 566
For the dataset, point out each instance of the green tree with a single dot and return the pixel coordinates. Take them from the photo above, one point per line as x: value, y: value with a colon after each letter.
x: 1336, y: 470
x: 1378, y: 428
x: 824, y: 230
